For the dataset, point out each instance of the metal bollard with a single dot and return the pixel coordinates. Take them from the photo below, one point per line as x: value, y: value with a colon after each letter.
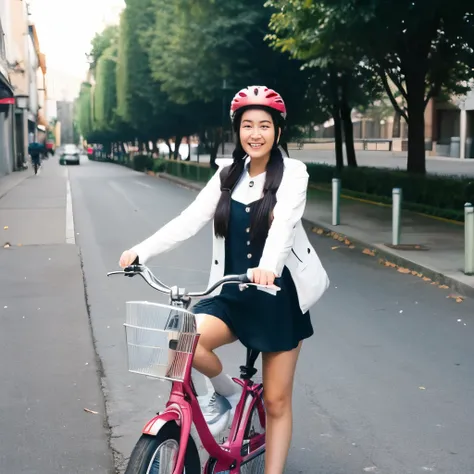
x: 336, y: 201
x: 468, y: 239
x: 396, y: 215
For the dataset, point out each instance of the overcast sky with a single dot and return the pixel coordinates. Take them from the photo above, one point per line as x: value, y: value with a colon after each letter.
x: 65, y: 30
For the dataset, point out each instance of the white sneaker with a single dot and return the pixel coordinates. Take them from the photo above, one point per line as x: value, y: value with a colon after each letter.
x: 217, y: 413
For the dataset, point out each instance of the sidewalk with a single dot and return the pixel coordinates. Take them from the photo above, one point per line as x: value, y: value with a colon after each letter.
x: 50, y: 371
x: 9, y: 181
x: 369, y: 226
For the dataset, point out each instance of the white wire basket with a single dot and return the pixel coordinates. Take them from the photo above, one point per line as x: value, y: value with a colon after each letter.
x: 160, y: 340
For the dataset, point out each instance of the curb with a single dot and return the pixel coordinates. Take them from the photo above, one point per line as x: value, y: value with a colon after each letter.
x: 384, y: 254
x: 379, y: 250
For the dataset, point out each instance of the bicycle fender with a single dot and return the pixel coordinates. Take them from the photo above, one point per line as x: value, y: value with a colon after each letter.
x: 153, y: 427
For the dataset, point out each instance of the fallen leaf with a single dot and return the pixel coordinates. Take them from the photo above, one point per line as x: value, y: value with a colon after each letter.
x: 389, y: 264
x: 368, y: 252
x: 91, y: 411
x: 352, y: 246
x: 435, y: 283
x: 426, y: 279
x: 403, y: 270
x: 422, y: 388
x: 5, y: 228
x: 443, y: 287
x: 347, y: 242
x: 334, y: 248
x: 414, y: 273
x: 459, y: 300
x: 317, y: 230
x: 20, y: 245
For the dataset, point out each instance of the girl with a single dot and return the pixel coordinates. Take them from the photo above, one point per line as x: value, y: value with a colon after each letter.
x: 257, y: 203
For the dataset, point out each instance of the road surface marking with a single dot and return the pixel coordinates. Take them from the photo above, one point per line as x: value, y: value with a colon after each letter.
x: 70, y: 234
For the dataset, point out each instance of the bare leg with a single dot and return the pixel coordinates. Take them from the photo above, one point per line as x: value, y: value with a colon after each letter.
x: 278, y: 375
x: 214, y: 334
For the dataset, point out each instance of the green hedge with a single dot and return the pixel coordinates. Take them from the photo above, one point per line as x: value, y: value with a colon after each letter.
x: 442, y: 196
x: 184, y: 169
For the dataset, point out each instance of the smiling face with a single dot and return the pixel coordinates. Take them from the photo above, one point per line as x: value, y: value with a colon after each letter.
x: 257, y: 133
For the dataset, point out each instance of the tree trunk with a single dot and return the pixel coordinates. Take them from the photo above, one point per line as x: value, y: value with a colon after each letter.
x: 214, y: 148
x: 188, y: 158
x: 348, y: 126
x: 167, y: 141
x: 336, y: 114
x: 177, y: 143
x: 416, y: 162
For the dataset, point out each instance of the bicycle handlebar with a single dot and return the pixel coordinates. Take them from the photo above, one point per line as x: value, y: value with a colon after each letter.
x: 151, y: 279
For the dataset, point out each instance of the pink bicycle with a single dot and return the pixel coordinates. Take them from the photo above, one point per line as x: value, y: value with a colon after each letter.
x: 161, y: 341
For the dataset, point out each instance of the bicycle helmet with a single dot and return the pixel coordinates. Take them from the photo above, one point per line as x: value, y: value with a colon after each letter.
x: 257, y: 95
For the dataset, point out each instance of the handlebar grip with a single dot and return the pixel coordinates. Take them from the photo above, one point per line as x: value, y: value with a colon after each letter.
x: 244, y: 278
x: 132, y: 270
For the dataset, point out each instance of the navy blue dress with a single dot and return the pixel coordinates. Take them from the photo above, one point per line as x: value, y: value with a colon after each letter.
x: 261, y: 321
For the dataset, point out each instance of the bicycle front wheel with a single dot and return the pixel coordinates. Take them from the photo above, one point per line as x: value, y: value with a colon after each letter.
x: 158, y: 454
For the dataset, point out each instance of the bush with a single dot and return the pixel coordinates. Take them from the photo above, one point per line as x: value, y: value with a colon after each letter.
x: 184, y: 169
x: 143, y: 163
x: 442, y: 196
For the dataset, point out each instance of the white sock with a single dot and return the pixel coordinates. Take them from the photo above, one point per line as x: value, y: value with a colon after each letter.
x: 224, y: 385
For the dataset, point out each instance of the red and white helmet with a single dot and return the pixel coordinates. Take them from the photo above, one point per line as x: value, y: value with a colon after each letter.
x: 257, y: 95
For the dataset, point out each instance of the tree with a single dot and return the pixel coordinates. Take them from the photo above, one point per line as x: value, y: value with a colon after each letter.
x: 105, y: 93
x: 339, y: 80
x: 206, y: 62
x: 83, y: 111
x: 101, y: 42
x: 422, y: 47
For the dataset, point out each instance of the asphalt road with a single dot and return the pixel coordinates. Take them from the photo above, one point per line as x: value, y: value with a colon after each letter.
x: 386, y: 385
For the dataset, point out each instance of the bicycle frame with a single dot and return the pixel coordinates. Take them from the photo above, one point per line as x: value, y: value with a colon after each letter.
x: 183, y: 407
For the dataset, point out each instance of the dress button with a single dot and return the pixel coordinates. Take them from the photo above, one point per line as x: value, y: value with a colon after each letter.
x: 247, y: 209
x: 247, y: 230
x: 251, y: 184
x: 216, y: 262
x: 248, y: 242
x: 249, y: 256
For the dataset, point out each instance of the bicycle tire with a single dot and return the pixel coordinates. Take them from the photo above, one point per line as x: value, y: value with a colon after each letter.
x: 145, y: 453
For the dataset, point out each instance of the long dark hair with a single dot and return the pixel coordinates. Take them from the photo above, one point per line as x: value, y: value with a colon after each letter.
x: 262, y: 211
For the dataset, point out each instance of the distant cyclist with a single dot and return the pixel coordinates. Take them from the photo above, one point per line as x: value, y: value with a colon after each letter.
x: 36, y: 150
x: 256, y: 201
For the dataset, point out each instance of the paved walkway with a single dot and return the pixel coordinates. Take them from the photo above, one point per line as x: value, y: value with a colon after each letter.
x: 368, y: 227
x: 11, y: 180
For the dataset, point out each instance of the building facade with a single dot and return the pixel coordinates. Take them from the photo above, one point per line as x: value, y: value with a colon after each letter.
x: 7, y: 102
x: 23, y: 92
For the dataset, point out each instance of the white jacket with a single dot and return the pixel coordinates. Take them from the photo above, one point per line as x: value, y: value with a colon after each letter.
x: 286, y: 245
